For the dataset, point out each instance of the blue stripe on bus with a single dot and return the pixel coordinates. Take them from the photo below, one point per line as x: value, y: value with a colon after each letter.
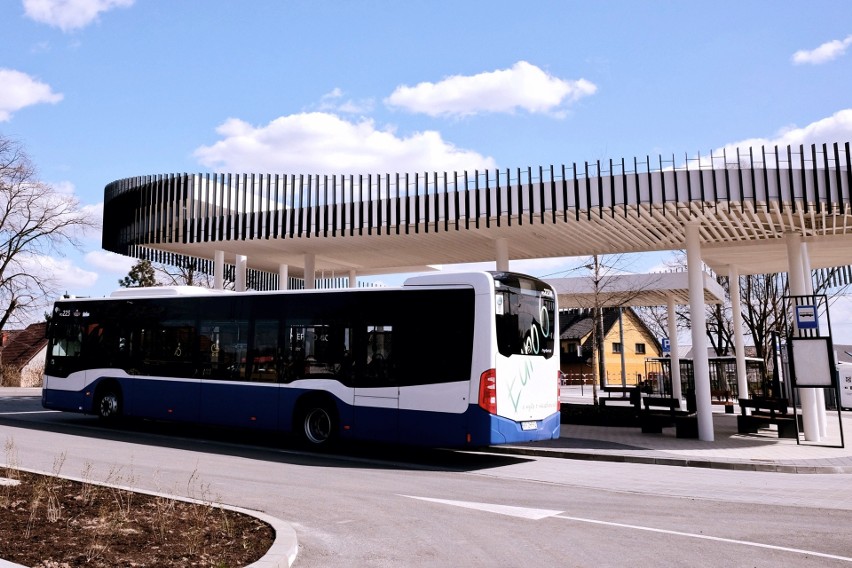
x: 271, y: 408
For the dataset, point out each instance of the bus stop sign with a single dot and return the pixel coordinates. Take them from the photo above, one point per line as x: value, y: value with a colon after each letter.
x: 806, y: 317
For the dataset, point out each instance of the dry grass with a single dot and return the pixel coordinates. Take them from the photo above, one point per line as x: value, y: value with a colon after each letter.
x: 47, y: 521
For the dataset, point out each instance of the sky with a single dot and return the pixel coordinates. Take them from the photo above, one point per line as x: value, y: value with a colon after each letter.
x: 99, y: 90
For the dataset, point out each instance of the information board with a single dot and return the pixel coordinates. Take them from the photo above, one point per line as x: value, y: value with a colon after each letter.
x: 811, y: 361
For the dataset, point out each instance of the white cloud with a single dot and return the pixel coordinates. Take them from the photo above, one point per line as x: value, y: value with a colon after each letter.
x: 94, y: 214
x: 323, y: 143
x: 333, y: 101
x: 69, y: 15
x: 18, y: 90
x: 835, y: 128
x: 61, y: 273
x: 110, y: 262
x: 521, y: 87
x: 64, y: 187
x: 826, y: 52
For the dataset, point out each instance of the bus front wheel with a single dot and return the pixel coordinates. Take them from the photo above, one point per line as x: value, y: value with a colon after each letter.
x: 317, y: 427
x: 109, y: 405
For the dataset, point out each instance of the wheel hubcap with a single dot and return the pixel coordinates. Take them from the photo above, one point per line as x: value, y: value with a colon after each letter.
x: 317, y: 426
x: 109, y: 405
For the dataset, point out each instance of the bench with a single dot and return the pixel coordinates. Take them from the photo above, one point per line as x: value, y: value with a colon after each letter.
x: 660, y: 412
x: 628, y: 394
x: 766, y: 411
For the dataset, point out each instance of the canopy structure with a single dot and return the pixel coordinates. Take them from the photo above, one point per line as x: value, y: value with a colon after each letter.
x: 633, y: 290
x: 742, y: 212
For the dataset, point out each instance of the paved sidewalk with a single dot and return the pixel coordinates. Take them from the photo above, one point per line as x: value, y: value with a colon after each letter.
x: 763, y: 451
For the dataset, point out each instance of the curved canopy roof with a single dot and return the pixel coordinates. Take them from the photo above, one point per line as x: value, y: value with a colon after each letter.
x: 372, y: 224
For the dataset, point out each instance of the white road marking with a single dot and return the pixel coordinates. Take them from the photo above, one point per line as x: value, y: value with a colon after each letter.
x: 522, y: 512
x: 538, y: 514
x: 707, y: 537
x: 30, y: 412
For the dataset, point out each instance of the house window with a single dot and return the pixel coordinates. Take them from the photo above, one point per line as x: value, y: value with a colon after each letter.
x: 640, y: 348
x: 616, y: 347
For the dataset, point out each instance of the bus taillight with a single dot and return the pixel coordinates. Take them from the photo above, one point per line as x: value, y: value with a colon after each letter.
x: 488, y: 391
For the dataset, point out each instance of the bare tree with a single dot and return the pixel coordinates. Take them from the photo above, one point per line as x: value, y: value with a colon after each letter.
x: 762, y: 307
x: 36, y: 222
x: 185, y: 274
x: 606, y: 292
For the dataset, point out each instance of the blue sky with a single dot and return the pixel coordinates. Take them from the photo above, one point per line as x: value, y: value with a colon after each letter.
x: 99, y: 90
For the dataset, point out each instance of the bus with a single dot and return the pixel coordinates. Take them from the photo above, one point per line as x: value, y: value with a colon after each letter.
x: 445, y: 360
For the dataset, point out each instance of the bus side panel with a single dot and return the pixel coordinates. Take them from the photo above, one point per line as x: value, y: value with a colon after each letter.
x: 163, y: 398
x: 438, y: 429
x: 376, y: 423
x: 434, y: 414
x: 66, y: 393
x: 243, y: 405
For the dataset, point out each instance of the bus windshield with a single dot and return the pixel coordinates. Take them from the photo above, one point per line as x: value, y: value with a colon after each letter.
x: 524, y: 310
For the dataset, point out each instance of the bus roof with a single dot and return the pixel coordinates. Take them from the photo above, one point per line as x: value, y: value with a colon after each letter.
x: 161, y: 291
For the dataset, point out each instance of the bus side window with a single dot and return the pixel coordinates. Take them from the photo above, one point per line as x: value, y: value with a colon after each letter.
x: 379, y: 370
x: 68, y: 341
x: 262, y: 360
x: 222, y: 348
x: 320, y: 350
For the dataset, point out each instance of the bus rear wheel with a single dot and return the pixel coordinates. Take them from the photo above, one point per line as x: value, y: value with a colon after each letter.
x: 108, y: 405
x: 318, y: 426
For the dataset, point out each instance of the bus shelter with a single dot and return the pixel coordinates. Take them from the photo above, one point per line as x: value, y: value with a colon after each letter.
x: 724, y: 387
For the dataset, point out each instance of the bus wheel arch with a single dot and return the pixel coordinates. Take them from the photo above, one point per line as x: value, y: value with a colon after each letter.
x: 108, y: 400
x: 316, y: 421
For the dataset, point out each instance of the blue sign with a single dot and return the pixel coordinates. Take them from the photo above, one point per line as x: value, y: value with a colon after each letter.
x: 806, y: 317
x: 667, y: 346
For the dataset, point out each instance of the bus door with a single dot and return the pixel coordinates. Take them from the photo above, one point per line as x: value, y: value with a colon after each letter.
x: 238, y: 375
x: 377, y: 388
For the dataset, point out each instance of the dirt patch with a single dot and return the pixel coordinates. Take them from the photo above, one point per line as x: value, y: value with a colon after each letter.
x: 51, y: 522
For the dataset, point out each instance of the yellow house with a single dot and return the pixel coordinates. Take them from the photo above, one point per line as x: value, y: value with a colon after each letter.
x: 626, y: 338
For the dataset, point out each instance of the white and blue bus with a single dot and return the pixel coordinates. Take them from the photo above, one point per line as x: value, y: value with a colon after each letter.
x: 446, y: 360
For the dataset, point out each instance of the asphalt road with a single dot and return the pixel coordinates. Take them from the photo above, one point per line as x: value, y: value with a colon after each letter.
x: 389, y: 506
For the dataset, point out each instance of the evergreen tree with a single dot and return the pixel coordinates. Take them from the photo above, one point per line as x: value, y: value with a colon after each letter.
x: 140, y: 276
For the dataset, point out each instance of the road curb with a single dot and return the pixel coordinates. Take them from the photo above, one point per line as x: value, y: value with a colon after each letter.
x: 763, y: 466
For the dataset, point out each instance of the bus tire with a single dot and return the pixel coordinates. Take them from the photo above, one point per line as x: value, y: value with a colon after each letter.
x: 108, y: 404
x: 316, y: 424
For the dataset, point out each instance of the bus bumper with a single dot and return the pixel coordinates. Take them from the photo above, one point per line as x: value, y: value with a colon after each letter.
x: 505, y: 431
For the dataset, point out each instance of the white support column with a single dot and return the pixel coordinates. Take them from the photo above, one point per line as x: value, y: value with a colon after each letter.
x: 739, y: 342
x: 353, y: 279
x: 240, y: 266
x: 819, y: 394
x: 674, y: 353
x: 621, y: 340
x: 219, y: 269
x: 283, y: 276
x: 700, y: 363
x: 310, y: 272
x: 502, y: 249
x: 796, y: 279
